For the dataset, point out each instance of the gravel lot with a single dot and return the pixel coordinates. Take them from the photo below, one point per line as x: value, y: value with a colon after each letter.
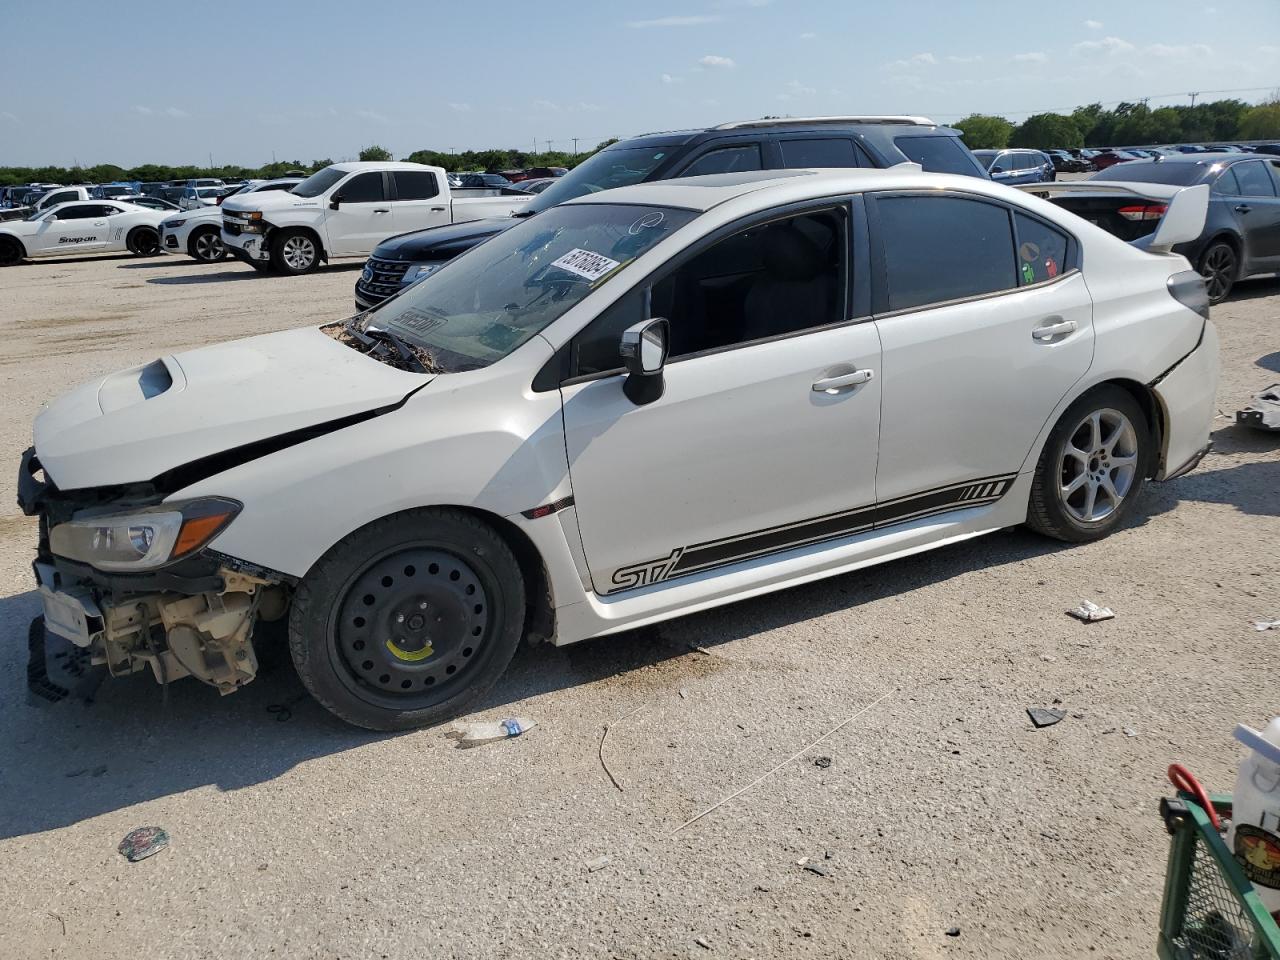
x: 941, y: 806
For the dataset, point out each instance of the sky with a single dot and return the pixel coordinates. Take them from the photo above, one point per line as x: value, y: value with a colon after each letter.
x: 238, y: 82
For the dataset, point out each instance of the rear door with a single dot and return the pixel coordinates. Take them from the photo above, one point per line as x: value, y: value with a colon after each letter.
x: 363, y: 218
x: 985, y: 324
x: 1257, y: 211
x: 418, y: 203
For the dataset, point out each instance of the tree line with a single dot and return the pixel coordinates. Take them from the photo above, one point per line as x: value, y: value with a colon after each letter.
x: 487, y: 160
x: 1127, y: 125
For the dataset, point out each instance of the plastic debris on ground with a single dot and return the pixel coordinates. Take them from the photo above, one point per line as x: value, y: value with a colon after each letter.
x: 1261, y: 625
x: 599, y: 863
x: 1264, y: 412
x: 1090, y: 612
x: 479, y: 733
x: 142, y: 843
x: 1045, y: 716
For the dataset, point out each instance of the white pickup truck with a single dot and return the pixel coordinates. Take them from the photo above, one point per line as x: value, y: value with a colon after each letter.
x: 347, y: 209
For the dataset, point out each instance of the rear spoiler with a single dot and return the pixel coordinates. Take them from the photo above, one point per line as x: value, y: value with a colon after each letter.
x: 1182, y: 222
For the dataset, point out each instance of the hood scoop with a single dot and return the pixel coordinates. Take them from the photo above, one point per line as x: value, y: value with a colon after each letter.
x: 124, y: 389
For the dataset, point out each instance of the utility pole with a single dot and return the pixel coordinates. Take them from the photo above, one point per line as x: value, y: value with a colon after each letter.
x: 1193, y: 97
x: 548, y: 146
x: 210, y: 159
x: 575, y: 146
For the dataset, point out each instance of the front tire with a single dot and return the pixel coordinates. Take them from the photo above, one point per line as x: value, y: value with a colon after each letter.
x: 1092, y: 469
x: 1219, y: 266
x: 206, y: 245
x: 11, y: 252
x: 143, y: 242
x: 408, y: 620
x: 295, y: 252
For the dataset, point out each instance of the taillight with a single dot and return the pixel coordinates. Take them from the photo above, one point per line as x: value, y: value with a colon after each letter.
x: 1149, y: 211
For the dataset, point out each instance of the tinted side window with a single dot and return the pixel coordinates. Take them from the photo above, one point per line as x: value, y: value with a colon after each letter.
x: 1226, y: 183
x: 80, y: 211
x: 363, y: 188
x: 820, y: 152
x: 939, y: 155
x: 1253, y: 179
x: 62, y: 197
x: 1042, y: 250
x: 943, y: 248
x: 726, y: 160
x: 765, y: 281
x: 415, y: 184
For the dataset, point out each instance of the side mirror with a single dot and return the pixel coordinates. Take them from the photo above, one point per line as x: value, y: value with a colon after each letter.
x: 335, y: 201
x: 997, y: 169
x: 644, y: 354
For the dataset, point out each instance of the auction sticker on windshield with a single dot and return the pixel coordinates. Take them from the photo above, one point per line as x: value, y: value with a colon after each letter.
x: 584, y: 263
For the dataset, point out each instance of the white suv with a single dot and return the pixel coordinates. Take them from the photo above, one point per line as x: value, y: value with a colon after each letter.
x: 639, y: 404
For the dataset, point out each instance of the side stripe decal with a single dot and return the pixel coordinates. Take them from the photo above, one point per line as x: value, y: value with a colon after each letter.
x: 683, y: 561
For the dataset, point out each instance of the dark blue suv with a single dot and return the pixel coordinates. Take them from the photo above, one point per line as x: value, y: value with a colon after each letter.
x: 728, y: 148
x: 1017, y: 166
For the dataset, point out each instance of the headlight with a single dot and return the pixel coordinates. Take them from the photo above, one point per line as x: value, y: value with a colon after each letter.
x: 420, y: 270
x: 252, y: 215
x: 172, y: 224
x: 142, y: 539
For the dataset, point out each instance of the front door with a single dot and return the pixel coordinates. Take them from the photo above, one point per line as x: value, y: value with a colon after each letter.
x: 78, y: 226
x: 985, y: 324
x: 764, y: 439
x: 364, y: 217
x: 1257, y: 211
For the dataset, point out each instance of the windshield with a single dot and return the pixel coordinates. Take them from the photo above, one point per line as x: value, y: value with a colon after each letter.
x: 614, y: 167
x: 113, y: 191
x: 318, y: 183
x: 986, y: 157
x: 484, y: 304
x: 209, y: 191
x: 1155, y: 171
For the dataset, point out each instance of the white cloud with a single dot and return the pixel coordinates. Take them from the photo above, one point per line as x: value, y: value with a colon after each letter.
x: 808, y: 36
x: 1093, y: 24
x: 1034, y: 57
x: 1109, y: 45
x: 6, y: 115
x: 460, y: 107
x: 668, y: 78
x: 796, y: 89
x: 916, y: 60
x: 694, y: 21
x: 1269, y: 51
x: 583, y: 107
x: 711, y: 60
x: 176, y: 113
x: 372, y: 115
x: 976, y: 58
x: 546, y: 106
x: 145, y: 111
x: 1177, y: 51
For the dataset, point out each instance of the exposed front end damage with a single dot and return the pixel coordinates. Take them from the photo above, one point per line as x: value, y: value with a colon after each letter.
x: 194, y: 617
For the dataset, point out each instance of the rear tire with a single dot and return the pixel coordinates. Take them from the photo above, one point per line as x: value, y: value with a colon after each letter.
x: 1092, y: 468
x: 11, y: 252
x: 206, y: 245
x: 1219, y: 266
x: 143, y: 242
x: 408, y: 620
x: 295, y: 252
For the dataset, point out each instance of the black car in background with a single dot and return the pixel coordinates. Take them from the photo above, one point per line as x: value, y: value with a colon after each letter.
x: 727, y: 148
x: 1241, y: 236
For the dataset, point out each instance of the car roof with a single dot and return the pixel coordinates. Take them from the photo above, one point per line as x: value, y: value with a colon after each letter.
x: 786, y: 186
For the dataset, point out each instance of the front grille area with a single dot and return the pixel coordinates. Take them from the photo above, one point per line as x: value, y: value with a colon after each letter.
x: 231, y: 227
x: 381, y: 278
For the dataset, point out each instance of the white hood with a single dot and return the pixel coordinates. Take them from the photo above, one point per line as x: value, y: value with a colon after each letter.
x: 265, y: 200
x: 132, y: 426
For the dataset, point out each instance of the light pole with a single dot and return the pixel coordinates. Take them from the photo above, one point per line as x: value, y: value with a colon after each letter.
x: 575, y: 146
x: 1193, y: 97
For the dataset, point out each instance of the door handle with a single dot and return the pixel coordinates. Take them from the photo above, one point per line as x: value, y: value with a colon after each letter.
x: 382, y: 211
x: 1051, y: 330
x: 843, y: 382
x: 1243, y: 208
x: 437, y: 209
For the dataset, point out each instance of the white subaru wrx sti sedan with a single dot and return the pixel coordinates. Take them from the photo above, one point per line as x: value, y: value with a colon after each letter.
x: 642, y: 403
x: 89, y: 226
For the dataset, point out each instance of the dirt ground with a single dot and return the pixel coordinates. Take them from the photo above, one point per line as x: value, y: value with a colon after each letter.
x: 941, y: 807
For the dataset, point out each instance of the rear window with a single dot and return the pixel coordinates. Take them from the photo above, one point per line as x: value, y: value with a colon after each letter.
x: 1253, y: 179
x: 940, y: 248
x: 1042, y: 250
x: 939, y: 155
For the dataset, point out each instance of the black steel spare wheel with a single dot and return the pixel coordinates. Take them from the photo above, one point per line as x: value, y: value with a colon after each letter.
x: 407, y: 620
x: 414, y: 623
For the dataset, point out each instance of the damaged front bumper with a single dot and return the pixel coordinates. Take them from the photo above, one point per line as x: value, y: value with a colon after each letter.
x: 194, y: 617
x: 244, y: 245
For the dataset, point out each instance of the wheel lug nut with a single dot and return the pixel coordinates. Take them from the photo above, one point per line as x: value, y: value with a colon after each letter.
x: 422, y: 606
x: 400, y: 618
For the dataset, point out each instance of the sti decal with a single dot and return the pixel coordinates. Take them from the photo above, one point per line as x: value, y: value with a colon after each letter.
x: 683, y: 561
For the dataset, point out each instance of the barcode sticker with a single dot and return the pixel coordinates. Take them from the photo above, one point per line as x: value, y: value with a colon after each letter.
x: 584, y: 263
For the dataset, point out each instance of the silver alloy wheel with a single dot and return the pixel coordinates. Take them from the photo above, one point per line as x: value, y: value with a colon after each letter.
x: 209, y: 247
x: 299, y: 253
x: 1099, y: 464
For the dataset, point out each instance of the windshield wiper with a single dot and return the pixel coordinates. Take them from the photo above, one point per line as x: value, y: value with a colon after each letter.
x: 411, y: 358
